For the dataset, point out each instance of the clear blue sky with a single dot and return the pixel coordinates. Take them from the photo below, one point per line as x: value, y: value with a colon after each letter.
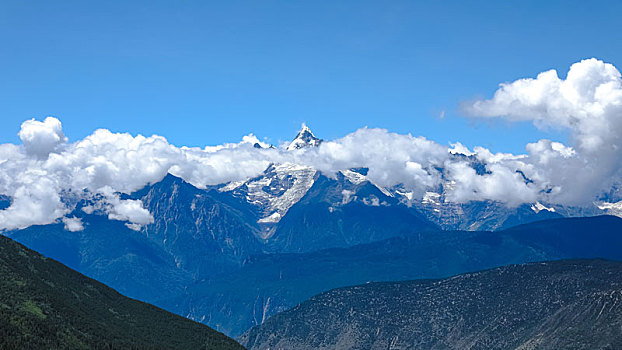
x: 203, y: 73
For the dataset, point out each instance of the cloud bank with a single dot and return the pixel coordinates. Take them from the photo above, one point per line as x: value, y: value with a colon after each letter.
x: 45, y: 173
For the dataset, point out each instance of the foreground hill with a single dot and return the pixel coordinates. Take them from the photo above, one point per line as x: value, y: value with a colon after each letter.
x: 45, y: 305
x: 269, y: 284
x: 574, y: 304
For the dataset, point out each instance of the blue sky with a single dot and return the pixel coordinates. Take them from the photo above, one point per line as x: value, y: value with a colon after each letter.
x: 203, y: 73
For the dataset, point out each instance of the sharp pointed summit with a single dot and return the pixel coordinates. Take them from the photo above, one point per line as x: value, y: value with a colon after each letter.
x: 305, y: 138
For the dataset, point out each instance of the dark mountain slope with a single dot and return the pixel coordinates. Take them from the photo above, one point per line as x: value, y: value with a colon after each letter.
x: 575, y: 304
x: 599, y: 236
x: 45, y: 305
x: 273, y: 283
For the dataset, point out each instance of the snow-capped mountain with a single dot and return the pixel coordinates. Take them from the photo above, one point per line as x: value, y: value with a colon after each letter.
x: 278, y: 188
x: 272, y: 193
x: 305, y: 138
x: 281, y: 186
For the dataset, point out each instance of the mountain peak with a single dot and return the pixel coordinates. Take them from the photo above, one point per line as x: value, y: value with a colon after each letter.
x: 305, y: 138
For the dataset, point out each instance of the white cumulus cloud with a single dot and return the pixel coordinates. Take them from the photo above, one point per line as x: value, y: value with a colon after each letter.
x: 589, y: 104
x: 73, y: 224
x: 42, y: 138
x: 129, y: 210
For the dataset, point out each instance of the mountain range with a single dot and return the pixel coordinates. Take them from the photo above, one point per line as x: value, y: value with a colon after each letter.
x: 233, y: 254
